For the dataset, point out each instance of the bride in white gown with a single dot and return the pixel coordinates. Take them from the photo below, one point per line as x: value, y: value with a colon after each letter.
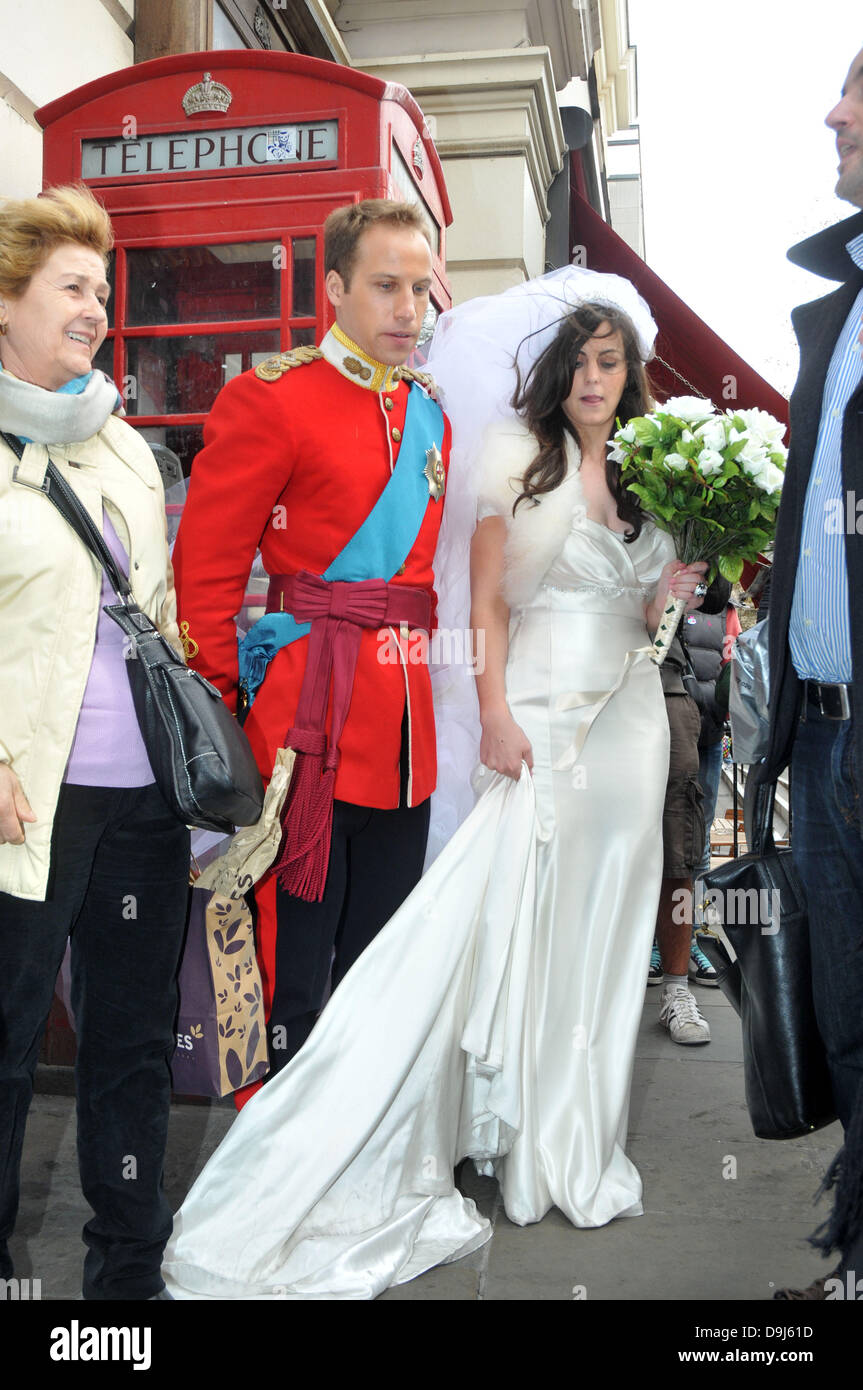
x: 495, y: 1016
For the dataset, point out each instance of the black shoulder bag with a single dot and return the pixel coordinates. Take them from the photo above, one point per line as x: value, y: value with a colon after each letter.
x: 200, y: 757
x: 761, y: 905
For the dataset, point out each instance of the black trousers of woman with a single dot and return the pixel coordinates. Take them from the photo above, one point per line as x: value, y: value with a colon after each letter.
x: 119, y: 876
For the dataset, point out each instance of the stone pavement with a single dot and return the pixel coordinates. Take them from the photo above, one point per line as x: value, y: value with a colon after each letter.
x: 726, y: 1214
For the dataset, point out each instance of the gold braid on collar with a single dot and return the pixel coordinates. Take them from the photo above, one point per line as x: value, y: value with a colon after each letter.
x: 275, y: 367
x: 424, y: 379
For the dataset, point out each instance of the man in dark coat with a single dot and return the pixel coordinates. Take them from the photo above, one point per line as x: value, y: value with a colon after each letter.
x: 816, y: 635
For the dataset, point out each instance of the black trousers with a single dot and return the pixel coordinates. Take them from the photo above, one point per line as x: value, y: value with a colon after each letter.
x: 119, y: 876
x: 376, y: 860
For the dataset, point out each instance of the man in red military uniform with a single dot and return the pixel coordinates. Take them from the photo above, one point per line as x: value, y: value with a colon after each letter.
x: 332, y: 461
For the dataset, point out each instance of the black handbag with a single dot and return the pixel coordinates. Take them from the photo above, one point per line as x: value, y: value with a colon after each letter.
x: 201, y: 759
x: 760, y: 902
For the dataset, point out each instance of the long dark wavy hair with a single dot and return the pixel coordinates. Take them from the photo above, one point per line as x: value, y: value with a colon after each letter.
x: 539, y: 401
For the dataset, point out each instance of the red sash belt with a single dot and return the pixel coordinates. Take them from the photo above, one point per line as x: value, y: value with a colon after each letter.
x: 338, y: 612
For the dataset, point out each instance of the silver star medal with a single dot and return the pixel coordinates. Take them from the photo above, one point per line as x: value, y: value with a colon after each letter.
x: 435, y: 472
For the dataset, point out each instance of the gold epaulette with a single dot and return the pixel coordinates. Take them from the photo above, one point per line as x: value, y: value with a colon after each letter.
x: 424, y: 379
x: 275, y: 367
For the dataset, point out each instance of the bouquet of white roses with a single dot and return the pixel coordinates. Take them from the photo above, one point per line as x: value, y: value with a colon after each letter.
x: 712, y: 481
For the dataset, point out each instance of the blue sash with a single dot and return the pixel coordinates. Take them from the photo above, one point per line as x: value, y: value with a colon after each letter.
x: 377, y: 550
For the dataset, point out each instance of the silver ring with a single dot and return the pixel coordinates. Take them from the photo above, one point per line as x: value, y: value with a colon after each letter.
x: 700, y: 589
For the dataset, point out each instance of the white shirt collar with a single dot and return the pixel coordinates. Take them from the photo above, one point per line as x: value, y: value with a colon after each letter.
x: 855, y: 250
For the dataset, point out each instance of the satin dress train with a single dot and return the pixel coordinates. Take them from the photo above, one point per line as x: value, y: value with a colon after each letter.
x: 495, y: 1016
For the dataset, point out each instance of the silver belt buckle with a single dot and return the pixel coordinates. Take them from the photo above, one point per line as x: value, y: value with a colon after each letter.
x: 844, y: 700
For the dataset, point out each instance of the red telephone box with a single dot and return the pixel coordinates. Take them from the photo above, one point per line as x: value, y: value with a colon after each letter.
x: 218, y: 170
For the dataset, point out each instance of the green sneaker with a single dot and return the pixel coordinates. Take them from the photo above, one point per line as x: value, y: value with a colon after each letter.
x: 654, y: 974
x: 701, y: 972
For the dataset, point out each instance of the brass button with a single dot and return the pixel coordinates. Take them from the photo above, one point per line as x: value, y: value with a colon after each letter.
x: 388, y: 405
x: 400, y: 570
x: 397, y: 434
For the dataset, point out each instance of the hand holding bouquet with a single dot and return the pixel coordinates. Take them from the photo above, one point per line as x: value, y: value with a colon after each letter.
x: 711, y: 481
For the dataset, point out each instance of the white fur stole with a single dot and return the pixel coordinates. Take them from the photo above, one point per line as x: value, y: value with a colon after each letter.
x: 538, y: 531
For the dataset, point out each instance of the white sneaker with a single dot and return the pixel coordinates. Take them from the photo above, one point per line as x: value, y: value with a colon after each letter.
x: 678, y: 1012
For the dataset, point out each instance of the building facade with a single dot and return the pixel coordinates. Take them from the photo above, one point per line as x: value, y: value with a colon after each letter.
x: 507, y: 86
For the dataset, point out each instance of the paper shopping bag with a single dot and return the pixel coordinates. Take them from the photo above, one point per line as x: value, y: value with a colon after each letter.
x: 221, y: 1039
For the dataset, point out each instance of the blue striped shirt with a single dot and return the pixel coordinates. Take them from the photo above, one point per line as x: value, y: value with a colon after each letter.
x: 819, y: 634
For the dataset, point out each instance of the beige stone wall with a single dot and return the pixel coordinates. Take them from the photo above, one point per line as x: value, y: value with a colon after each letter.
x: 20, y: 154
x: 46, y: 49
x: 494, y: 119
x: 488, y: 75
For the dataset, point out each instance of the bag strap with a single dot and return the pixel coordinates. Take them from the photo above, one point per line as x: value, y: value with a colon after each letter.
x: 760, y: 838
x: 70, y: 507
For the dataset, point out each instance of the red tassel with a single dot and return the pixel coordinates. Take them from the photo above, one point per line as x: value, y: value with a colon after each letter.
x: 301, y: 868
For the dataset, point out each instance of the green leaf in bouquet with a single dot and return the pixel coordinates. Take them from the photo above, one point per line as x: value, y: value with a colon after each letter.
x: 734, y: 449
x: 644, y: 494
x: 754, y: 508
x: 670, y: 431
x: 646, y: 431
x: 731, y: 568
x: 655, y: 498
x: 760, y: 543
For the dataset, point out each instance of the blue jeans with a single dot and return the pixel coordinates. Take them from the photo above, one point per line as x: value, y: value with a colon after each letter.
x: 119, y: 887
x: 709, y: 773
x: 828, y: 854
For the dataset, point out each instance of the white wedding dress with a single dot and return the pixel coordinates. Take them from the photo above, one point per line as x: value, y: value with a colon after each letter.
x: 495, y: 1016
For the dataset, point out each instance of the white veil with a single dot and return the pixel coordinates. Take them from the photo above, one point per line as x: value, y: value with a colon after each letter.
x: 472, y: 358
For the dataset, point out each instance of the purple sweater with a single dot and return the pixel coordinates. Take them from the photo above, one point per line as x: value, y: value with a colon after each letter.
x: 108, y: 750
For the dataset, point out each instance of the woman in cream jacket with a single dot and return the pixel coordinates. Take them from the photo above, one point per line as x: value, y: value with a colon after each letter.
x: 88, y: 848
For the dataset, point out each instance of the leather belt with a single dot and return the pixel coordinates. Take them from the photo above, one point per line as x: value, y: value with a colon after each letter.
x: 833, y: 700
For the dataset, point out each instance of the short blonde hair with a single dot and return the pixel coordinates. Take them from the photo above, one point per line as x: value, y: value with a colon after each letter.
x: 30, y: 229
x: 344, y: 227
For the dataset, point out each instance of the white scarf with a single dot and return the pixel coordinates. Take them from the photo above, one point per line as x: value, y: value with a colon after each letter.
x: 56, y: 417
